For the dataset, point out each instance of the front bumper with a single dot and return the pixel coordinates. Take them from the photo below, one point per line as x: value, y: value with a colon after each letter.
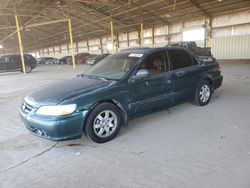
x: 54, y: 128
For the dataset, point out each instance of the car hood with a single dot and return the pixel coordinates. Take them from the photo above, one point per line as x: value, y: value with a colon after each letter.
x: 59, y: 91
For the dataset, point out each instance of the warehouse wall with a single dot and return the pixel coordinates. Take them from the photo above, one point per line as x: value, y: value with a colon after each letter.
x: 153, y: 37
x: 230, y: 38
x: 231, y: 47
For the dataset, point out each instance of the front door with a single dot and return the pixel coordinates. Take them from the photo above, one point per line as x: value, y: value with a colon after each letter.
x: 154, y: 91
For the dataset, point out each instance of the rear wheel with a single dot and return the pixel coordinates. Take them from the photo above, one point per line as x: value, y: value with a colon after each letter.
x: 103, y: 123
x: 28, y: 69
x: 203, y: 93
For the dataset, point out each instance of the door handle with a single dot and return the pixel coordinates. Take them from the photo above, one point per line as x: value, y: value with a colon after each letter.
x: 180, y: 74
x: 168, y: 81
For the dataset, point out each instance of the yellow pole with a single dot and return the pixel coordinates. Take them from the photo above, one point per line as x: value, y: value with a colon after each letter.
x: 142, y: 37
x: 20, y: 43
x: 112, y: 36
x: 209, y: 25
x: 71, y: 44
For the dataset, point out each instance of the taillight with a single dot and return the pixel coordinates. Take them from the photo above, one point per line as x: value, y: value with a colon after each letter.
x: 218, y: 66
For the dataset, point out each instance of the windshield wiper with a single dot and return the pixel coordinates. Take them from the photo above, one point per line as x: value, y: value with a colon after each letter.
x: 96, y: 77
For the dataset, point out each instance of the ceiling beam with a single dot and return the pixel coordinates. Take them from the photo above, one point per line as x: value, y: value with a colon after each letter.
x: 194, y: 3
x: 84, y: 21
x: 99, y: 13
x: 98, y: 2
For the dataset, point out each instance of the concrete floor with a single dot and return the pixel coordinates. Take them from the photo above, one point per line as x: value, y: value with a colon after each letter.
x: 185, y: 146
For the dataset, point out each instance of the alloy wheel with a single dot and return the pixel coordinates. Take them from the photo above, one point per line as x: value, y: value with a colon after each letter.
x: 204, y: 93
x: 105, y: 123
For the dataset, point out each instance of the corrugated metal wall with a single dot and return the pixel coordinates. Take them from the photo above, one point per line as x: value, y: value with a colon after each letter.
x: 231, y: 47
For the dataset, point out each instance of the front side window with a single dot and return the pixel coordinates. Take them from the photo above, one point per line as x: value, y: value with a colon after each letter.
x: 155, y: 64
x: 180, y: 58
x: 115, y: 66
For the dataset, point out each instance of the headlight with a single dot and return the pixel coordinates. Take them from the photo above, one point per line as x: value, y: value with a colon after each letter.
x: 58, y: 110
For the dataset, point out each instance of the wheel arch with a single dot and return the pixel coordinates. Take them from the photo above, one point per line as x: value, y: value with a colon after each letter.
x: 209, y: 79
x: 114, y: 102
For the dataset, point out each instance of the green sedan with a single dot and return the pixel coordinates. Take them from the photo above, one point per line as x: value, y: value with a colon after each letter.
x: 122, y: 86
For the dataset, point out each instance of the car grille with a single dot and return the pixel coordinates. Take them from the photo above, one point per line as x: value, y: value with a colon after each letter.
x: 26, y: 107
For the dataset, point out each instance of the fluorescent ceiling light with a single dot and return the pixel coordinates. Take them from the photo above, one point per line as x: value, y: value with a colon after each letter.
x: 1, y: 46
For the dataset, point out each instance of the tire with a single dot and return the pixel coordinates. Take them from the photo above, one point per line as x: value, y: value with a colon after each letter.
x: 203, y: 93
x: 28, y: 69
x: 103, y: 123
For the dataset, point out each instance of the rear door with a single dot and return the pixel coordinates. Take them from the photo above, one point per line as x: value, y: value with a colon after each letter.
x: 186, y: 72
x: 12, y: 62
x: 151, y: 92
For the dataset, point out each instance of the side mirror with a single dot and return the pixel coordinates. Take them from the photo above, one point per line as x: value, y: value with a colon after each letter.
x: 141, y: 73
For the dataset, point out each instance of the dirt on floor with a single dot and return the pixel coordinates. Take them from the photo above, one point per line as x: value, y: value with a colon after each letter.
x: 184, y: 146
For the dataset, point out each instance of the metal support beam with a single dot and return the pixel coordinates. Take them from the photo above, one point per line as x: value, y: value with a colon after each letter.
x: 71, y: 44
x: 127, y: 34
x: 88, y: 44
x: 209, y: 31
x: 46, y: 23
x: 77, y: 47
x: 142, y: 35
x: 101, y: 45
x: 199, y: 7
x: 20, y: 43
x: 117, y: 42
x: 88, y: 7
x: 153, y: 37
x: 168, y: 34
x: 112, y: 36
x: 33, y: 25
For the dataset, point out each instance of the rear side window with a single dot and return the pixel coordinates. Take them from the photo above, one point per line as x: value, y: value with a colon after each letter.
x: 180, y: 58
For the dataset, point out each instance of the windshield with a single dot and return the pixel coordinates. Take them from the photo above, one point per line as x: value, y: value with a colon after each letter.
x: 115, y: 66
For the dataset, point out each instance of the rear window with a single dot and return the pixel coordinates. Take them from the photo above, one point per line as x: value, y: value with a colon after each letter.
x: 180, y: 58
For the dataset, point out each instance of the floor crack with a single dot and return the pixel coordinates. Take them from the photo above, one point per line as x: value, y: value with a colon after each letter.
x: 27, y: 160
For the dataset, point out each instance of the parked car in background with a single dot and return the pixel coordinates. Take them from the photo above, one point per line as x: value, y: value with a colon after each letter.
x: 122, y: 86
x: 14, y: 63
x: 81, y: 58
x: 65, y: 60
x: 48, y: 60
x: 98, y: 58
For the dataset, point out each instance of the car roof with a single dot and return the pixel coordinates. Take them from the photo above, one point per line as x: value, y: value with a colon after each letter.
x: 147, y: 49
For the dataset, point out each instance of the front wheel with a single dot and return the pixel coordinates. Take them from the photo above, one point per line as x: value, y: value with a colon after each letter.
x: 203, y: 93
x: 103, y: 123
